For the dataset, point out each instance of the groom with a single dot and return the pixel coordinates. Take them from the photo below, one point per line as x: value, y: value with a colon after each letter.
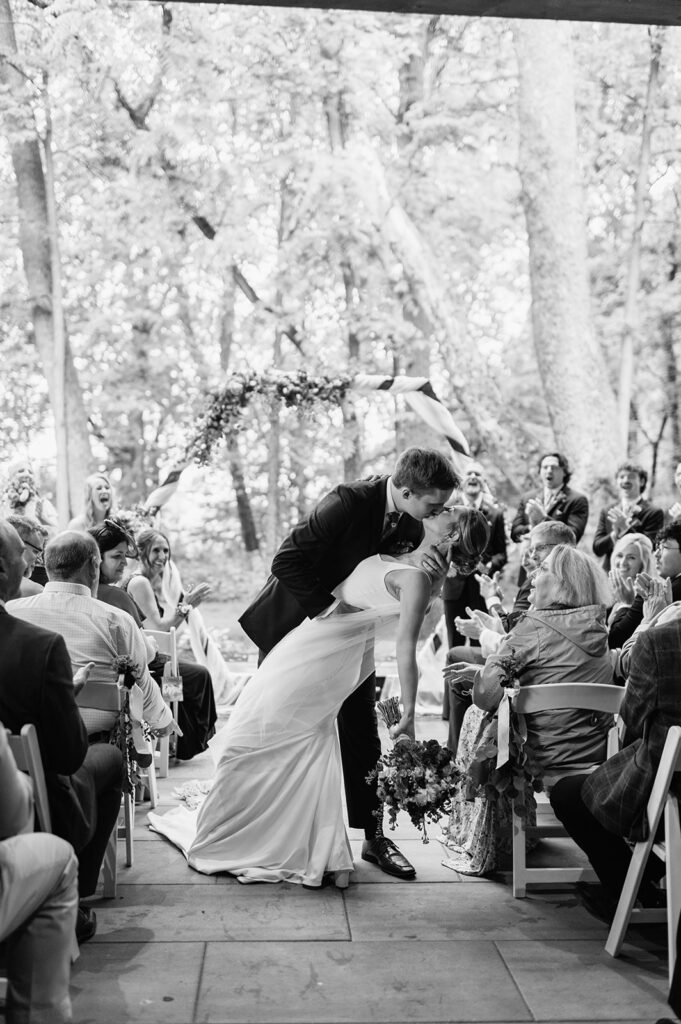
x: 352, y: 522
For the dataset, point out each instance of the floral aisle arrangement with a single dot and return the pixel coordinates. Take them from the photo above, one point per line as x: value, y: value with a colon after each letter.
x: 418, y: 777
x: 503, y: 766
x: 130, y: 733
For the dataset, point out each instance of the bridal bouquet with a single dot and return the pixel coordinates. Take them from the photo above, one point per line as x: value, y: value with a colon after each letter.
x: 418, y: 777
x: 515, y: 775
x: 130, y: 733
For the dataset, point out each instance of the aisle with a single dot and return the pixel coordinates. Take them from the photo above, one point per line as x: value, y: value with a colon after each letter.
x: 176, y: 947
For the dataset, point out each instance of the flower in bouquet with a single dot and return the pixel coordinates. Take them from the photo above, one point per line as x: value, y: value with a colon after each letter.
x: 419, y: 777
x: 19, y: 492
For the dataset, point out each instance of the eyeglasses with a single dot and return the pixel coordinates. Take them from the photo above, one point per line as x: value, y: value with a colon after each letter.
x: 38, y: 551
x: 666, y: 547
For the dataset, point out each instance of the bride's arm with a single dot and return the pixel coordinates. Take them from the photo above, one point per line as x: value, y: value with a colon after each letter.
x: 414, y: 598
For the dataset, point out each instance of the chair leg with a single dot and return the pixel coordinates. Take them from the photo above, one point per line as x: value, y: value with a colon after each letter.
x: 151, y: 777
x: 519, y: 853
x: 672, y: 842
x: 129, y: 817
x: 620, y: 923
x: 164, y: 756
x: 109, y: 865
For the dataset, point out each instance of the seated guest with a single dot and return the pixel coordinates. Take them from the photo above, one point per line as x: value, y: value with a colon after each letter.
x: 491, y: 629
x: 668, y: 561
x: 197, y: 714
x: 605, y: 810
x: 561, y: 639
x: 84, y: 782
x: 631, y: 514
x: 94, y: 632
x: 98, y: 502
x: 632, y: 554
x: 38, y: 904
x: 196, y: 711
x: 555, y: 501
x: 33, y: 536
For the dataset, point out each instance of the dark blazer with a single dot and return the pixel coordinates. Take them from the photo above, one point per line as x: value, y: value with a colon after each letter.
x: 647, y: 519
x: 617, y: 792
x: 36, y: 686
x: 569, y: 507
x: 344, y: 528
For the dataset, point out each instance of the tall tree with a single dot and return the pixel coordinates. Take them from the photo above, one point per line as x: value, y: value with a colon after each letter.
x: 580, y: 399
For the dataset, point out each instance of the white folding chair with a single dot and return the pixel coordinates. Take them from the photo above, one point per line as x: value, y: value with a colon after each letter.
x: 167, y: 644
x: 26, y: 753
x: 661, y: 801
x: 556, y: 697
x: 107, y: 697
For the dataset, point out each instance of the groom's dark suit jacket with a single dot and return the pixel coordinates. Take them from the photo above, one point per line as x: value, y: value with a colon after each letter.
x: 36, y: 685
x: 345, y: 527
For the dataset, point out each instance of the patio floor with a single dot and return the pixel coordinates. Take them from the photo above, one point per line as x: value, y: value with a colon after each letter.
x: 176, y: 947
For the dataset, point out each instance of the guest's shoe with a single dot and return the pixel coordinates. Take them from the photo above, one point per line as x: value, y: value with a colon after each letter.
x: 596, y: 900
x: 86, y: 924
x: 384, y: 853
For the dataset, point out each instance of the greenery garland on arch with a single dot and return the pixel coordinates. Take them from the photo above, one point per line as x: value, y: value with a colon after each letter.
x: 227, y: 405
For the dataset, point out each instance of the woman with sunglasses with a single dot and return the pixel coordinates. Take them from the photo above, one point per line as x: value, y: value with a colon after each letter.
x: 196, y: 711
x: 274, y: 812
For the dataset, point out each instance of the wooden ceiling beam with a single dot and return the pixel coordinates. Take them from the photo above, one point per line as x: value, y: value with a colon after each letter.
x: 637, y: 12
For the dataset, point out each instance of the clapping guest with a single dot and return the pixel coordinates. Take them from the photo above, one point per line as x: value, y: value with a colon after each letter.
x: 675, y: 509
x: 98, y: 502
x: 561, y: 639
x: 652, y: 590
x: 197, y: 714
x: 22, y: 497
x: 631, y: 555
x: 632, y: 513
x: 556, y: 501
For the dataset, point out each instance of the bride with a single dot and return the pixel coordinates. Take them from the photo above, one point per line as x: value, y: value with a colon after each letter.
x: 274, y: 812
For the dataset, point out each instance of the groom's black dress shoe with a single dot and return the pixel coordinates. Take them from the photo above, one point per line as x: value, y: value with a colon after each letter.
x: 383, y: 852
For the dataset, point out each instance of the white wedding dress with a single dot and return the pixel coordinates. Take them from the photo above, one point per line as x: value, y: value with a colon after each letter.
x: 274, y: 812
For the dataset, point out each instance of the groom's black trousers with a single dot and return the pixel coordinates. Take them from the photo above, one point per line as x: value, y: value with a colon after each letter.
x: 360, y: 750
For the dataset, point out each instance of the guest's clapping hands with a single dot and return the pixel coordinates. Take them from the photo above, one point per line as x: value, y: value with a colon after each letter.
x: 461, y: 675
x: 489, y: 585
x: 658, y: 598
x: 195, y: 595
x: 618, y: 522
x: 534, y: 512
x: 675, y: 510
x: 473, y: 626
x: 81, y: 676
x: 623, y: 586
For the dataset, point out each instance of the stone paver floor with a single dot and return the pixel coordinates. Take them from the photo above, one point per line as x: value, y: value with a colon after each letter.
x: 176, y: 947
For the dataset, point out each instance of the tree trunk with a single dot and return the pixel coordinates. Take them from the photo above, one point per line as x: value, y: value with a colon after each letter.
x: 572, y: 366
x: 38, y: 249
x: 631, y: 312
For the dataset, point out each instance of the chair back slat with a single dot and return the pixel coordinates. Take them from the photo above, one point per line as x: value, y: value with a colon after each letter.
x: 562, y: 696
x: 26, y: 753
x: 99, y: 696
x: 167, y: 644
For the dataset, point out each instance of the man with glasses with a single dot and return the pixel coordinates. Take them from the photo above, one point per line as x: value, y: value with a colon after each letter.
x: 33, y: 536
x: 490, y: 628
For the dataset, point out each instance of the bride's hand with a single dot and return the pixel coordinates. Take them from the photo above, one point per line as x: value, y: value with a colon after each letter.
x: 435, y: 563
x: 405, y: 727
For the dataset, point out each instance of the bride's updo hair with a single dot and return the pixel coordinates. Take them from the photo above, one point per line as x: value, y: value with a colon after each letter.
x: 466, y: 551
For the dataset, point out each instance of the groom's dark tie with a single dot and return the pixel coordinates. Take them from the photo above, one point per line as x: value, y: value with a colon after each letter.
x: 390, y: 524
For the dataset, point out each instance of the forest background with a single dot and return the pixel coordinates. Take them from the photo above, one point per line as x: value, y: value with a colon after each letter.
x: 192, y: 192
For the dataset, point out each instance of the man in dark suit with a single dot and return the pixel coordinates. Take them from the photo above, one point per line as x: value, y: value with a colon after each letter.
x: 631, y: 514
x: 349, y: 524
x: 555, y: 501
x: 36, y: 685
x: 607, y: 807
